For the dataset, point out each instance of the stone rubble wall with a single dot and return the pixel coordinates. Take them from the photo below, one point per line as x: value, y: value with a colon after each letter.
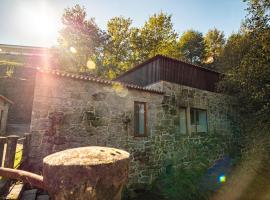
x: 71, y: 113
x: 194, y: 150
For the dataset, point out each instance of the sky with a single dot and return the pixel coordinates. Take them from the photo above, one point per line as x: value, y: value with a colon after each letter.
x: 37, y: 22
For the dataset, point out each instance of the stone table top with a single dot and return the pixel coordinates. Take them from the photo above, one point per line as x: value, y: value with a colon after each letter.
x: 86, y: 156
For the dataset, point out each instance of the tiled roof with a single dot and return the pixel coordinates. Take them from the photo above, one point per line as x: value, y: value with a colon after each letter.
x: 97, y: 80
x: 6, y: 99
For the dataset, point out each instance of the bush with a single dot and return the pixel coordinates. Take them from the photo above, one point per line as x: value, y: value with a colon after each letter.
x: 182, y: 184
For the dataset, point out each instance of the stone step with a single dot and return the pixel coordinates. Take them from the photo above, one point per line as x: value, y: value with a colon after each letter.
x: 15, y: 191
x: 29, y: 194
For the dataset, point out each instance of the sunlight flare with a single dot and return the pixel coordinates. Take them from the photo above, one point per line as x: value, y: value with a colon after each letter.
x: 120, y: 90
x: 73, y: 50
x: 38, y: 20
x: 91, y: 65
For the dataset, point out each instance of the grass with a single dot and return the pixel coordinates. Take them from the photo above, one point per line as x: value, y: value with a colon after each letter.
x: 18, y: 156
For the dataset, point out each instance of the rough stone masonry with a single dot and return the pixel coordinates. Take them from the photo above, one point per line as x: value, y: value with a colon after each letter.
x: 69, y: 112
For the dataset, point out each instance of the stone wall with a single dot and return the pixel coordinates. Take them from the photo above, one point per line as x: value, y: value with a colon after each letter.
x: 68, y: 113
x: 73, y: 113
x: 191, y: 149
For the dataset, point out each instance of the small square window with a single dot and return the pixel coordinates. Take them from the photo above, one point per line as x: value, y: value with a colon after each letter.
x: 198, y: 119
x: 140, y: 119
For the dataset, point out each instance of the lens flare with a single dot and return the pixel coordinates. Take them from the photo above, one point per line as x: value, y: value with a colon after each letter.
x: 209, y: 60
x: 90, y: 64
x: 38, y: 20
x: 120, y: 90
x: 73, y: 50
x: 222, y: 178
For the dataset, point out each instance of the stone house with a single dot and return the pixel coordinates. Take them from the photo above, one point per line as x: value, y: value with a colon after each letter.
x: 4, y: 106
x: 164, y: 112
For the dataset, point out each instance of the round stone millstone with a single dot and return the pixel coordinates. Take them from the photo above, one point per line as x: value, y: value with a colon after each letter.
x: 86, y: 173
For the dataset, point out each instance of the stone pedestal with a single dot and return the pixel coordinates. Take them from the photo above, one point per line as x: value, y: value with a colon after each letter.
x: 94, y: 173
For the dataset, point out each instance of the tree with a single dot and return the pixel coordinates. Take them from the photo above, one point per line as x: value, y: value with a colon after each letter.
x: 191, y: 46
x: 249, y: 79
x: 116, y: 51
x: 157, y: 36
x: 126, y: 46
x: 258, y: 16
x: 214, y: 43
x: 234, y: 51
x: 79, y: 40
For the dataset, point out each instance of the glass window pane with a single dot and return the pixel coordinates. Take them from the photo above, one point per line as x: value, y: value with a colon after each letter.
x: 136, y: 118
x: 141, y: 119
x: 193, y: 128
x: 202, y: 121
x: 192, y: 116
x: 182, y: 118
x: 197, y: 117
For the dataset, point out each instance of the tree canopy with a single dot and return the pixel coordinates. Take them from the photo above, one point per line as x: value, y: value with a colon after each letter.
x: 214, y: 44
x: 191, y: 46
x: 85, y: 47
x: 157, y: 36
x: 247, y: 58
x: 79, y: 39
x: 122, y: 45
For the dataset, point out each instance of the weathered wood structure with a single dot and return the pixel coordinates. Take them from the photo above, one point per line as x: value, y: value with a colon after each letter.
x: 14, y: 152
x: 162, y: 68
x: 4, y: 107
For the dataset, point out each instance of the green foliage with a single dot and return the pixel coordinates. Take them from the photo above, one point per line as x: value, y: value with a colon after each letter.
x: 191, y: 46
x: 258, y: 17
x: 8, y: 68
x: 234, y: 51
x: 157, y: 36
x: 126, y: 45
x: 122, y: 45
x: 182, y: 184
x: 249, y: 78
x: 214, y: 44
x: 117, y: 49
x: 79, y: 40
x: 9, y: 63
x: 192, y: 180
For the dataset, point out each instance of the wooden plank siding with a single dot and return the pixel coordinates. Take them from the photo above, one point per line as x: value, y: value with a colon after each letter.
x: 163, y: 68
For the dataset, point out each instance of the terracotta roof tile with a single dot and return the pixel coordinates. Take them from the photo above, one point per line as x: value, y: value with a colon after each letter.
x: 97, y: 80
